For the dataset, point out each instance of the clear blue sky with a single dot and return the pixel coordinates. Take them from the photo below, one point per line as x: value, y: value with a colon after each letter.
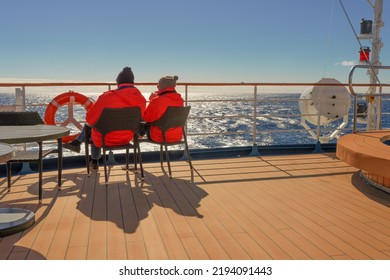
x: 200, y: 41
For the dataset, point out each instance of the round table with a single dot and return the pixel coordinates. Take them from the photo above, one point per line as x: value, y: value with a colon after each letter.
x: 31, y: 133
x: 13, y: 220
x: 36, y: 133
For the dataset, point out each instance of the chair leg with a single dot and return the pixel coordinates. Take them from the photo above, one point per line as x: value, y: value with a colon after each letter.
x: 87, y: 155
x: 161, y: 154
x: 9, y: 174
x: 140, y: 160
x: 167, y: 159
x: 135, y: 157
x: 105, y: 167
x: 40, y: 170
x: 87, y: 141
x: 188, y: 156
x: 127, y: 160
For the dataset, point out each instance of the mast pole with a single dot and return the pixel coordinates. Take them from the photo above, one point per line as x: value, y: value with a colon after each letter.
x: 374, y: 104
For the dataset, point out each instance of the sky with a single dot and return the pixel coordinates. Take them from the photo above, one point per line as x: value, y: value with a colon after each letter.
x: 198, y: 40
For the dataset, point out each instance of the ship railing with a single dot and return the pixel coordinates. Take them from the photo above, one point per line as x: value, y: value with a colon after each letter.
x: 373, y: 101
x: 254, y: 116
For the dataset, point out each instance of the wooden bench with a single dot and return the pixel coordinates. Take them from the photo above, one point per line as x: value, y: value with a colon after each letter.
x: 367, y: 152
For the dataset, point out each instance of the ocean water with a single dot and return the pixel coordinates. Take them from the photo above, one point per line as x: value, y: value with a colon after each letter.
x: 225, y: 119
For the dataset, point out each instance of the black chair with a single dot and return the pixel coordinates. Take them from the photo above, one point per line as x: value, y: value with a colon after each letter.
x: 116, y: 119
x: 27, y: 118
x: 173, y: 117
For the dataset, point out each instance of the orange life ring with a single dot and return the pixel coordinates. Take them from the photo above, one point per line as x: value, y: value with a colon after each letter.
x: 64, y: 99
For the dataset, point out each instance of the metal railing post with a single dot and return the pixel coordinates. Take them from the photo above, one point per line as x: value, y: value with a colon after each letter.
x: 318, y: 148
x: 255, y: 150
x: 24, y: 98
x: 354, y: 113
x: 20, y: 95
x: 186, y: 95
x: 184, y: 155
x: 379, y: 118
x: 18, y: 99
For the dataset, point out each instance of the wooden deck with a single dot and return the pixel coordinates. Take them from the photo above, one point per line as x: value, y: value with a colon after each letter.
x: 310, y: 206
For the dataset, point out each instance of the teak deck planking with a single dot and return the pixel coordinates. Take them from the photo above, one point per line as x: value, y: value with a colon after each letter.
x: 309, y: 206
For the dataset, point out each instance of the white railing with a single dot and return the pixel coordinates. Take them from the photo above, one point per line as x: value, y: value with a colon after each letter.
x: 375, y: 100
x: 259, y: 114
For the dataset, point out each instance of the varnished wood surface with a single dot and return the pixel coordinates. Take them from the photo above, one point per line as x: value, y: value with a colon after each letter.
x: 309, y: 206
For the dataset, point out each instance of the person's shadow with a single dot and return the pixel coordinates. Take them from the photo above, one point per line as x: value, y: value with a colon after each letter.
x: 180, y: 195
x: 135, y: 198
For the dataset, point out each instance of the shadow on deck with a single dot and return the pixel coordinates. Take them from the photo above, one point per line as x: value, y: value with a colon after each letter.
x: 309, y: 206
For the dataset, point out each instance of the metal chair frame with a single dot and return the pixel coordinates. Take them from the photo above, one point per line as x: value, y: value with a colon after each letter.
x: 173, y: 117
x: 117, y: 119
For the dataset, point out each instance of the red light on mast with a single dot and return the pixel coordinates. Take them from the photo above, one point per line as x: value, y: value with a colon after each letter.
x: 364, y: 54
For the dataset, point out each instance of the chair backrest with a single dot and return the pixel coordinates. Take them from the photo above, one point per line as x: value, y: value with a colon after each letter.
x: 115, y: 119
x: 20, y: 118
x: 173, y: 117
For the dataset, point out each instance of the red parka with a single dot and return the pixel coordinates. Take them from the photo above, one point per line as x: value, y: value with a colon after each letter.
x: 156, y: 109
x: 125, y: 96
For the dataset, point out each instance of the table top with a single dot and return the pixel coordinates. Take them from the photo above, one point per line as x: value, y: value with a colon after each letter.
x: 6, y: 152
x: 31, y: 133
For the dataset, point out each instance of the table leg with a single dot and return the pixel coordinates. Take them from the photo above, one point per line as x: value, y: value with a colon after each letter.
x: 9, y: 173
x: 59, y: 148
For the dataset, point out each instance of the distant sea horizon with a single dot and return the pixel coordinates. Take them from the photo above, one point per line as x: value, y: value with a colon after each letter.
x: 224, y: 119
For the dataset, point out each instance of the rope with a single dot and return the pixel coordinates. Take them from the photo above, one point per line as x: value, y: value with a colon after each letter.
x: 350, y: 23
x: 353, y: 30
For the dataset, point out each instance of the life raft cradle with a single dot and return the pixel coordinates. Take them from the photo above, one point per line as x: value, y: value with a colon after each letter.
x: 67, y: 98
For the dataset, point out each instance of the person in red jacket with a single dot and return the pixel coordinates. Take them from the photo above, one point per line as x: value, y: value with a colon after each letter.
x: 126, y: 95
x: 159, y: 102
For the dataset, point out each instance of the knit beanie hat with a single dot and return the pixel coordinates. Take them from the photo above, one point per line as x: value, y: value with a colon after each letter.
x: 125, y: 76
x: 167, y: 81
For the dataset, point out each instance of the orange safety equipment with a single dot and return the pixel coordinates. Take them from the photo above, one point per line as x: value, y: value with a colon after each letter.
x: 159, y: 103
x: 62, y: 100
x: 126, y: 95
